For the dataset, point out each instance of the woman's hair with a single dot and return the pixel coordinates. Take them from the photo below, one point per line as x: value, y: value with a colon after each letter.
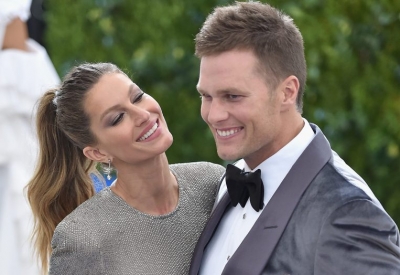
x: 61, y: 181
x: 269, y: 33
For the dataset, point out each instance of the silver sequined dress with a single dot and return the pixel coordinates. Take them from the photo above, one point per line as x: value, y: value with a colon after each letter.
x: 105, y: 235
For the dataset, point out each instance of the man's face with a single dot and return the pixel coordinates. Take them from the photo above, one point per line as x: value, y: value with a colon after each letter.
x: 244, y: 115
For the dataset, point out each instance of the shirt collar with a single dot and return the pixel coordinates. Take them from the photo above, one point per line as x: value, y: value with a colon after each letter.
x: 275, y: 168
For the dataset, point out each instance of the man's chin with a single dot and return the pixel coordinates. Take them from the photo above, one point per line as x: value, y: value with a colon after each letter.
x: 226, y: 156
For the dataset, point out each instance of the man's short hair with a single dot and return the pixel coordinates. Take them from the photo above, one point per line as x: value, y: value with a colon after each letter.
x: 269, y: 33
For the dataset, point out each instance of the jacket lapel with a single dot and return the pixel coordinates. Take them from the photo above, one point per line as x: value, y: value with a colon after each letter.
x: 254, y: 252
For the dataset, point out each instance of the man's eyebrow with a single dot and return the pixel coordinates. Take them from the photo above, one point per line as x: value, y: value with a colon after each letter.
x: 221, y: 91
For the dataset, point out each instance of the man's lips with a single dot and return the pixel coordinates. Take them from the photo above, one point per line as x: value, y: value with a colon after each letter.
x: 228, y: 132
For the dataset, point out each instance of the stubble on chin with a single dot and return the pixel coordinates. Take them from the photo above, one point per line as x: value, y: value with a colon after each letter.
x: 227, y: 156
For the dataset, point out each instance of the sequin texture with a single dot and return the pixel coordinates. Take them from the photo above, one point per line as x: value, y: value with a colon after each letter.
x: 105, y: 235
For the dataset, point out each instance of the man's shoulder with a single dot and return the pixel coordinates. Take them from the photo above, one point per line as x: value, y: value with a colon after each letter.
x: 335, y: 186
x: 350, y: 180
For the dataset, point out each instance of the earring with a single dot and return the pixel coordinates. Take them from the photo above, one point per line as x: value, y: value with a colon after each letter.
x: 108, y: 170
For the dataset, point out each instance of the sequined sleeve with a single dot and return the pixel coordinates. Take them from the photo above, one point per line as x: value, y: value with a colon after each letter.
x: 75, y: 251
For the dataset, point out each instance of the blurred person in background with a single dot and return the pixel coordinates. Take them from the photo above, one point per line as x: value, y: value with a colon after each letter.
x: 25, y: 73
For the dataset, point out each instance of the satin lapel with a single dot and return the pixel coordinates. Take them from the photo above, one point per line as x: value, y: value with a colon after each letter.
x: 254, y: 252
x: 207, y: 233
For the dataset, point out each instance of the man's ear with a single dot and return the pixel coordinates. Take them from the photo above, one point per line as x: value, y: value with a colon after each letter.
x: 95, y: 154
x: 290, y: 87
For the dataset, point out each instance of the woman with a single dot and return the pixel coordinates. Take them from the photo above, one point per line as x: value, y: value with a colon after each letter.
x: 150, y: 219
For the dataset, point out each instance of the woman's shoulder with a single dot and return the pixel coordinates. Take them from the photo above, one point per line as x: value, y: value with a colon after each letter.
x: 77, y: 241
x: 199, y: 182
x: 202, y: 168
x: 87, y: 212
x: 201, y: 176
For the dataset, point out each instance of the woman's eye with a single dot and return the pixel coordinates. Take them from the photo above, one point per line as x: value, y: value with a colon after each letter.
x: 138, y: 98
x: 117, y: 119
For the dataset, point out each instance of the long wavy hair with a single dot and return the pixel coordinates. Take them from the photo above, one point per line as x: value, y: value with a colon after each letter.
x: 61, y: 180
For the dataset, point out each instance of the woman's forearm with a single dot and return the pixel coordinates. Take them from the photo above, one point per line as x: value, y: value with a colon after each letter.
x: 16, y: 35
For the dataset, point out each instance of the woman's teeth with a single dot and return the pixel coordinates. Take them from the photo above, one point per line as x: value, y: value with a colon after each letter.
x: 149, y: 133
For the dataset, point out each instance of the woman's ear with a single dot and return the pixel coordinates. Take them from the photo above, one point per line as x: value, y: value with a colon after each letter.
x: 95, y: 154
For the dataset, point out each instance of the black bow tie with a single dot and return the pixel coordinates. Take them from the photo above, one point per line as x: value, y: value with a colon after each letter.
x: 242, y: 185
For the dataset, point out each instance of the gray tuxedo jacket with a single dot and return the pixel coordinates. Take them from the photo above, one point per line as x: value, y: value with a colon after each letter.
x: 317, y: 222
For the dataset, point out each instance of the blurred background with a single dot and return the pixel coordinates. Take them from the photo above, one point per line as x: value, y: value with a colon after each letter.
x: 353, y: 57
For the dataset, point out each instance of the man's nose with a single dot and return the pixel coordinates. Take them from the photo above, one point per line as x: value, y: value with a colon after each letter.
x: 217, y: 112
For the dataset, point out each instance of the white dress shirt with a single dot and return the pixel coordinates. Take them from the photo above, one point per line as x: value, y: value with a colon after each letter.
x: 238, y: 221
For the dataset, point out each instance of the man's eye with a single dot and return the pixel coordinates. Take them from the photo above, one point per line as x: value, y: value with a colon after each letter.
x: 204, y: 96
x: 232, y: 96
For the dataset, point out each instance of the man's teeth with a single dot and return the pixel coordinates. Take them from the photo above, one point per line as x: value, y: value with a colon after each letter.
x: 149, y: 133
x: 227, y: 133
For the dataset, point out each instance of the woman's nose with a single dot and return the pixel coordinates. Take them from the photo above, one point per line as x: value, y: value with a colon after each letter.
x: 140, y: 115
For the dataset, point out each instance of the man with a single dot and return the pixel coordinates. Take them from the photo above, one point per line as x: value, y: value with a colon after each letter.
x: 314, y: 214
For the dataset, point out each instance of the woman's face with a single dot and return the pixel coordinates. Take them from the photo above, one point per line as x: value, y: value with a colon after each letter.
x: 128, y: 124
